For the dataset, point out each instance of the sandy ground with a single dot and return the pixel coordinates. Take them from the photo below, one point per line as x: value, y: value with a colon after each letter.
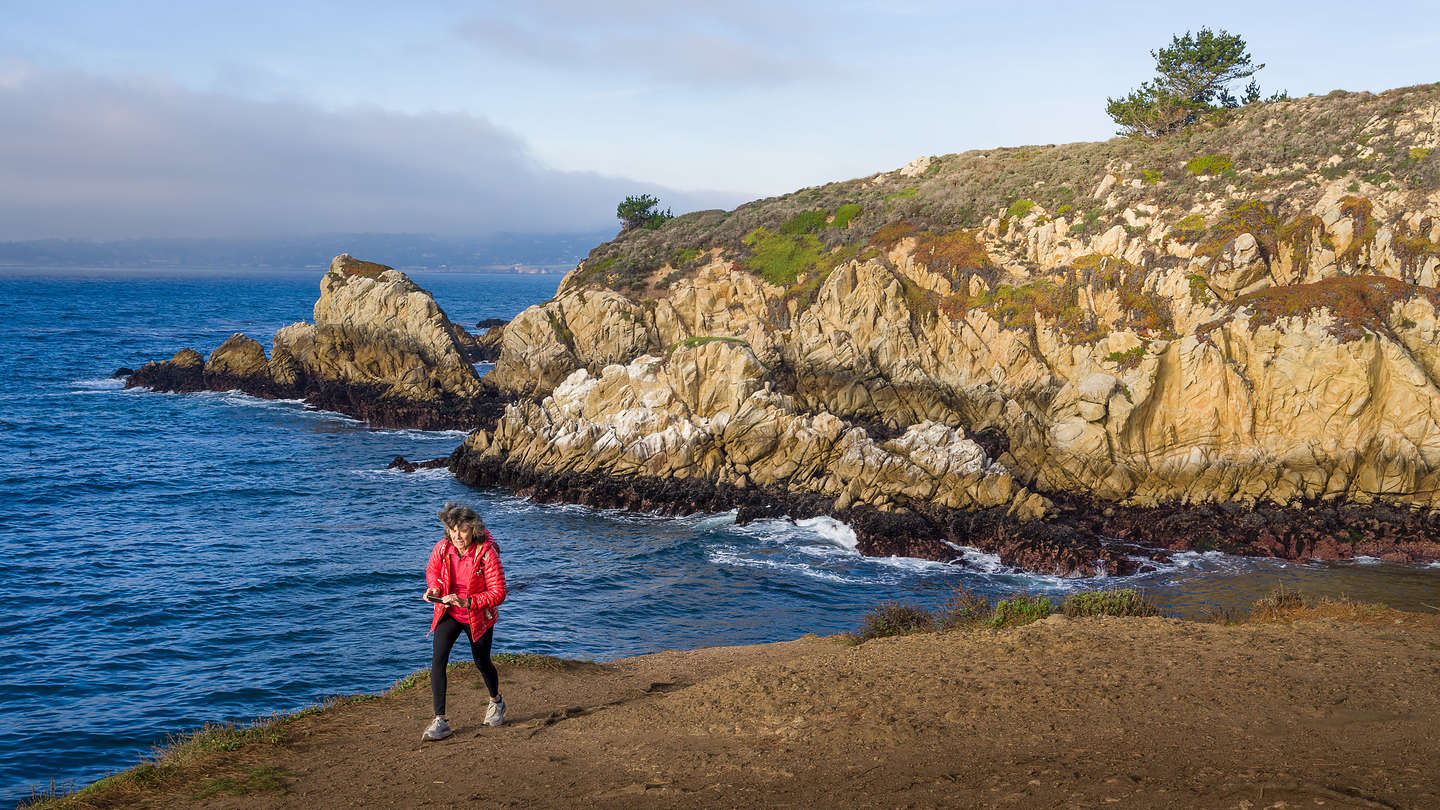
x: 1064, y: 713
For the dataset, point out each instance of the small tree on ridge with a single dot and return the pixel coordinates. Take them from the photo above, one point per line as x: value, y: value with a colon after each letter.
x: 1193, y: 77
x: 640, y: 211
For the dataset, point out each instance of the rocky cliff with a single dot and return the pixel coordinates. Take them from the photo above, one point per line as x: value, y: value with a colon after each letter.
x: 380, y: 349
x: 1234, y: 328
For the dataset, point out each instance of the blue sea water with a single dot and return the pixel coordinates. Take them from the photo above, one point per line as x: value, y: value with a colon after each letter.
x: 170, y: 560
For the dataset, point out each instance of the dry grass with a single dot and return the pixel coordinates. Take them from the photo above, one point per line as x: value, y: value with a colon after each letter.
x: 1288, y: 605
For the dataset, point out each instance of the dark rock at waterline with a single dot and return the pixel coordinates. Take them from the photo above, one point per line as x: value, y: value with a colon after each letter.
x: 926, y: 533
x: 184, y: 373
x: 121, y: 373
x: 491, y: 323
x: 187, y: 372
x: 1313, y: 531
x: 1044, y: 547
x: 404, y: 465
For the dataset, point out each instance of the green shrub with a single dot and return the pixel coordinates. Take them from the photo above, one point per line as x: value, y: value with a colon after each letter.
x: 1418, y: 154
x: 1019, y: 209
x: 964, y: 609
x: 1020, y: 610
x: 684, y: 256
x: 1151, y: 176
x: 1127, y: 359
x: 1121, y: 602
x: 895, y: 619
x: 780, y: 258
x: 844, y: 214
x: 903, y: 194
x: 805, y: 222
x: 1199, y: 288
x: 1209, y: 164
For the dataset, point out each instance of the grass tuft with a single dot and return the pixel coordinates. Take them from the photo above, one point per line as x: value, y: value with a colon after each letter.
x: 1120, y: 602
x: 963, y: 610
x: 1020, y: 610
x: 895, y: 619
x: 259, y: 779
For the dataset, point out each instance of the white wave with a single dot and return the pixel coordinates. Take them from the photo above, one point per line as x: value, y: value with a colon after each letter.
x: 831, y: 530
x: 431, y: 474
x: 712, y: 522
x: 98, y: 385
x: 974, y: 559
x: 1435, y: 564
x: 416, y: 433
x: 1366, y: 560
x: 733, y: 558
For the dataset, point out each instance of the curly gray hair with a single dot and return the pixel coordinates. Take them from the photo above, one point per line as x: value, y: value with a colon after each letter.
x: 456, y: 514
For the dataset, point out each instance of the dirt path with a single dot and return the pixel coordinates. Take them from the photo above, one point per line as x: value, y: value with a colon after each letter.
x: 1063, y: 713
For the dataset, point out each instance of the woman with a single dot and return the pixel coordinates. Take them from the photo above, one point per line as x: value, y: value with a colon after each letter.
x: 467, y: 584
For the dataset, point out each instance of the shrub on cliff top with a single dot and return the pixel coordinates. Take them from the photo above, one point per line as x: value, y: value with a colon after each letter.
x: 964, y: 609
x: 895, y: 619
x: 641, y: 211
x: 1120, y: 602
x: 1020, y: 610
x: 1208, y: 164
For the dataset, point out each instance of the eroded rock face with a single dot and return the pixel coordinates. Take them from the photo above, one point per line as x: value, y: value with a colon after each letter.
x: 380, y: 349
x: 711, y: 411
x: 1276, y: 351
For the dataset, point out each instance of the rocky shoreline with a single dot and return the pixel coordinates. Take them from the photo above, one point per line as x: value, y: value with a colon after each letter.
x: 187, y: 373
x: 1082, y: 540
x: 710, y: 427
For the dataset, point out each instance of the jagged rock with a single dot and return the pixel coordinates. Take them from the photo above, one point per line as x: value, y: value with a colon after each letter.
x: 400, y: 463
x: 709, y: 410
x: 1260, y: 344
x: 380, y: 349
x: 183, y: 373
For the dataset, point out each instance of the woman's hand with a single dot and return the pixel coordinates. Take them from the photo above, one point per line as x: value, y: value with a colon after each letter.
x: 431, y: 593
x: 452, y: 600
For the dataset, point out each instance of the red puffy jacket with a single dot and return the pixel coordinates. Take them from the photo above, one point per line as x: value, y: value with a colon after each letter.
x: 487, y: 584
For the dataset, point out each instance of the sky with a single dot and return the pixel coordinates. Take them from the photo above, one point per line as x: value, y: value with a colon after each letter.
x: 194, y: 119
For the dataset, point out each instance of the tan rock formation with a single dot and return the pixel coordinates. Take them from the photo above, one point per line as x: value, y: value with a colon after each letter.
x: 380, y: 349
x: 374, y: 327
x: 710, y: 410
x: 238, y: 356
x: 1251, y: 339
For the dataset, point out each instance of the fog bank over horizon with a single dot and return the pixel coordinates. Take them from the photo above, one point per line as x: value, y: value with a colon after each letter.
x: 103, y: 159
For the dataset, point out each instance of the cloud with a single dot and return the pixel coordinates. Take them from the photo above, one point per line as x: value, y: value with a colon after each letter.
x: 82, y: 156
x: 741, y: 44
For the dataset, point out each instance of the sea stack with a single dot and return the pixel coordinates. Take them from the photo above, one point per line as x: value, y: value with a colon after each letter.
x: 380, y: 349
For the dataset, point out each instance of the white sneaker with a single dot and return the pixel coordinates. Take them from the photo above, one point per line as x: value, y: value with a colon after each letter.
x: 439, y: 729
x: 495, y: 715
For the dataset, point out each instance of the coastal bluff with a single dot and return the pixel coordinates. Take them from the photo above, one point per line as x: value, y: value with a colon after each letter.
x: 1079, y: 358
x: 380, y: 349
x: 1227, y: 339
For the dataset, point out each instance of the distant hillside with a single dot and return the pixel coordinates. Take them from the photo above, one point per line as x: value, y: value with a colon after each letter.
x: 552, y: 251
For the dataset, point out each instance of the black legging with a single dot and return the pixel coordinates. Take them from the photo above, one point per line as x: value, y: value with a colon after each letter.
x: 446, y: 632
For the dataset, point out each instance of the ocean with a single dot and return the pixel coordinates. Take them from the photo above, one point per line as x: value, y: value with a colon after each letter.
x: 169, y: 560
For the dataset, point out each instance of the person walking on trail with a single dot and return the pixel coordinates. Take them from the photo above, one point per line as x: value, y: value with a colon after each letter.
x: 467, y: 584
